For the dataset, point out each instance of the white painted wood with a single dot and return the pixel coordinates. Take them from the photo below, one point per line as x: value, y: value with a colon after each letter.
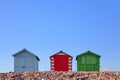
x: 69, y: 64
x: 52, y: 64
x: 61, y: 54
x: 69, y: 60
x: 52, y: 67
x: 52, y: 57
x: 69, y: 67
x: 25, y: 62
x: 52, y: 60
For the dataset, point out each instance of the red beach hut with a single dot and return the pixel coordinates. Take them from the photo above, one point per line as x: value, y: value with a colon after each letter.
x: 61, y: 62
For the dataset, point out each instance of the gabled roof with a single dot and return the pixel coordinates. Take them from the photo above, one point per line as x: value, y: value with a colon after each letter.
x: 61, y: 52
x: 87, y: 52
x: 24, y: 50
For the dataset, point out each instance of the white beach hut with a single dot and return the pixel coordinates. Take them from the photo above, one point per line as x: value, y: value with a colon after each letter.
x: 25, y: 61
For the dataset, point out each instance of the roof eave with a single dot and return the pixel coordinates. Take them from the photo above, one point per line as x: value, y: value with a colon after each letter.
x: 37, y: 58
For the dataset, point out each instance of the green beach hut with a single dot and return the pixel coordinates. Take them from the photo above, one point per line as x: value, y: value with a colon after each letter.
x: 88, y: 61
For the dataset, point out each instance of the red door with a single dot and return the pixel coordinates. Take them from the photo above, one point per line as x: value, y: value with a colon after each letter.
x: 61, y: 63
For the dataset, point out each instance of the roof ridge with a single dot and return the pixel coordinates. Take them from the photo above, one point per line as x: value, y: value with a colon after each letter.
x: 24, y: 49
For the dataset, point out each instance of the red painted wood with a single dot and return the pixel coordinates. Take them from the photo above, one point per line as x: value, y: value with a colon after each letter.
x: 61, y: 63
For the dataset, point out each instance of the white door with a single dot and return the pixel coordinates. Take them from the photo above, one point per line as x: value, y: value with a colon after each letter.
x: 20, y: 64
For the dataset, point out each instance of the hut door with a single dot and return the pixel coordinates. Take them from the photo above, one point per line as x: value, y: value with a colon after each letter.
x: 20, y: 66
x: 61, y: 63
x: 64, y: 63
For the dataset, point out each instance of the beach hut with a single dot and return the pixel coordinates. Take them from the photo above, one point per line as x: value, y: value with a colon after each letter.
x: 61, y: 61
x: 24, y: 61
x: 88, y: 61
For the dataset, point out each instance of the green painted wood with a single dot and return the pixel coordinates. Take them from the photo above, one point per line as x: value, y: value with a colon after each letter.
x: 88, y: 61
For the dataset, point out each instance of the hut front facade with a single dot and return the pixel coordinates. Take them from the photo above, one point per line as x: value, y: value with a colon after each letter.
x: 25, y: 61
x: 88, y: 61
x: 61, y: 62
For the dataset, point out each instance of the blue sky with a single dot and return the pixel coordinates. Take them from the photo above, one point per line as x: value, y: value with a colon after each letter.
x: 45, y: 27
